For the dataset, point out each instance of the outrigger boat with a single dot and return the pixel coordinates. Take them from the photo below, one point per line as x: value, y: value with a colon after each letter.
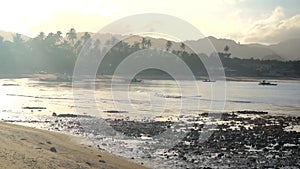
x: 208, y: 80
x: 135, y: 80
x: 267, y: 83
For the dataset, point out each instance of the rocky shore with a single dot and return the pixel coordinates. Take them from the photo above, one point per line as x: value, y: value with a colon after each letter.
x: 248, y: 142
x: 243, y: 139
x: 256, y: 140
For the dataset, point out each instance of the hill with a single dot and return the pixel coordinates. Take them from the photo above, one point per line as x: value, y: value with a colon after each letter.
x: 8, y: 36
x: 283, y: 51
x: 289, y: 49
x: 243, y: 51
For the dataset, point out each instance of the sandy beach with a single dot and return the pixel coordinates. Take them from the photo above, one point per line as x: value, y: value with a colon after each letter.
x: 24, y: 147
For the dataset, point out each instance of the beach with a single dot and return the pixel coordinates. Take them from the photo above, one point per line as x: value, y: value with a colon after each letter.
x: 25, y: 147
x: 242, y: 139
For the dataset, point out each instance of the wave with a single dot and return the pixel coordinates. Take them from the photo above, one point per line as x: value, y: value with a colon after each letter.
x: 41, y: 97
x: 174, y: 96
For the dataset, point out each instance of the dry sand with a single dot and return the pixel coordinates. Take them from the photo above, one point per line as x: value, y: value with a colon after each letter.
x: 23, y: 147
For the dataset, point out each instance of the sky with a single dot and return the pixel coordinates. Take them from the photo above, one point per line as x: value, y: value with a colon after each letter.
x: 245, y: 21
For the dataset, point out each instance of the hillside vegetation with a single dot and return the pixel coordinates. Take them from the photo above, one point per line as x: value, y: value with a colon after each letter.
x: 53, y: 53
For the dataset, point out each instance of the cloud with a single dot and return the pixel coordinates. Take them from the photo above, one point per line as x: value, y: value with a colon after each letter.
x: 272, y: 29
x: 220, y: 18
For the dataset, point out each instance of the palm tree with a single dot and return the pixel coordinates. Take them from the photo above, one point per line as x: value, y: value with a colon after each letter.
x: 226, y: 53
x: 77, y: 46
x: 41, y: 36
x: 226, y: 49
x: 168, y: 45
x: 182, y: 46
x: 50, y: 39
x: 58, y: 37
x: 144, y: 42
x: 72, y: 35
x: 148, y: 43
x: 17, y: 38
x: 58, y: 33
x: 86, y: 36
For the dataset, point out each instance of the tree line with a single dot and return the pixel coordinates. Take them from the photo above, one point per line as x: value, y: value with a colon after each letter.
x: 52, y: 53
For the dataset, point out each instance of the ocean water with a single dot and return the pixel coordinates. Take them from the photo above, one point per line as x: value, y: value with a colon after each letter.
x: 148, y: 99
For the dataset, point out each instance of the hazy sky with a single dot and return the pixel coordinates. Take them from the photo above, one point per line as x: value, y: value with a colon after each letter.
x: 246, y: 21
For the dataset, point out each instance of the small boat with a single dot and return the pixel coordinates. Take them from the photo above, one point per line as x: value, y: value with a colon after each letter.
x: 135, y: 80
x: 208, y: 80
x: 267, y: 83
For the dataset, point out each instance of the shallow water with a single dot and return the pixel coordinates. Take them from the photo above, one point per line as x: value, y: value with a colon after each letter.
x: 150, y: 99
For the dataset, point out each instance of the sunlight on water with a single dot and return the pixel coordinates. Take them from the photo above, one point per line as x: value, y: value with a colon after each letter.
x: 150, y: 99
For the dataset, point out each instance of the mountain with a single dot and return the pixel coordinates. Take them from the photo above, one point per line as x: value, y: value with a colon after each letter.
x: 289, y: 49
x: 8, y: 36
x: 273, y: 57
x: 255, y: 51
x: 285, y: 50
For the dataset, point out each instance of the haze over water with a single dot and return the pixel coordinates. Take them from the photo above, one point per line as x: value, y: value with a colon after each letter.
x: 58, y: 97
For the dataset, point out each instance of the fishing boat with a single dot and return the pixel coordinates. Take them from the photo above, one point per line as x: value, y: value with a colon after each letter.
x: 265, y: 83
x: 135, y: 80
x: 208, y: 80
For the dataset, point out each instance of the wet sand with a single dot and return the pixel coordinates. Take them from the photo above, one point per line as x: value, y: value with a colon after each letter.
x: 24, y: 147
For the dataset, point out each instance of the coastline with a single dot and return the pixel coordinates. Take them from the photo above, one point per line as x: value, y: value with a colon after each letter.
x: 200, y: 78
x: 257, y: 79
x: 242, y: 139
x: 25, y: 147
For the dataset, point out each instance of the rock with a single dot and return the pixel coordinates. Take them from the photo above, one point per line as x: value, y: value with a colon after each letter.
x: 220, y: 155
x: 115, y: 111
x: 67, y: 115
x: 28, y: 107
x: 251, y: 112
x: 54, y: 114
x: 10, y: 84
x: 73, y: 115
x: 53, y: 149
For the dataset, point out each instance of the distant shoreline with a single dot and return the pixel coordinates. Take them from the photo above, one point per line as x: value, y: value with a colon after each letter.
x: 228, y: 78
x: 255, y: 79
